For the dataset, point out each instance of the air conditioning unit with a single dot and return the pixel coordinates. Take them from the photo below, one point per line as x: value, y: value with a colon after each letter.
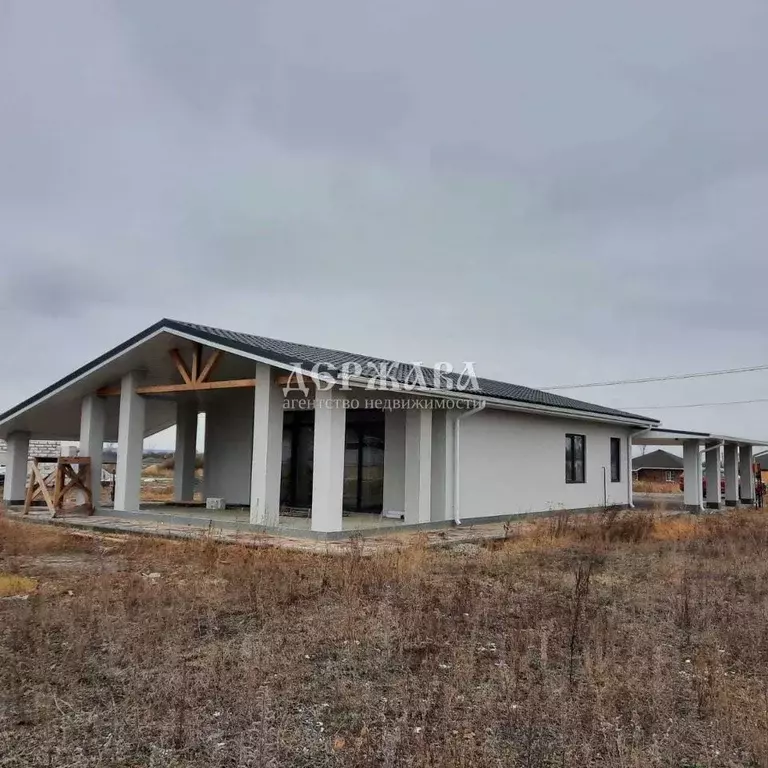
x: 213, y: 502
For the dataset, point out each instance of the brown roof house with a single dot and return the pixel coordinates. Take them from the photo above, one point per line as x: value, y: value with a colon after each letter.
x: 658, y: 467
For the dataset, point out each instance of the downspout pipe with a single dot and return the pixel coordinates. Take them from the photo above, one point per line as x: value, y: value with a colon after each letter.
x: 456, y: 457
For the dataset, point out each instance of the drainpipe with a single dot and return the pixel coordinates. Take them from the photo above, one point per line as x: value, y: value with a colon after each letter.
x: 456, y: 443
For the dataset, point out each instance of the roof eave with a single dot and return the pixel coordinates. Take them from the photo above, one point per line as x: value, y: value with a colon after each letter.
x: 171, y: 326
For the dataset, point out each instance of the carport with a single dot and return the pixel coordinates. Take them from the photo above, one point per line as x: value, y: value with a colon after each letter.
x: 720, y: 456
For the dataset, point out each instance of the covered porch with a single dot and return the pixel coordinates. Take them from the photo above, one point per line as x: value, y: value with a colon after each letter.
x: 718, y: 470
x: 326, y: 461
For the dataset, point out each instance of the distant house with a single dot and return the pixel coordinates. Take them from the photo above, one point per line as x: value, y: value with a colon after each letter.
x: 658, y: 467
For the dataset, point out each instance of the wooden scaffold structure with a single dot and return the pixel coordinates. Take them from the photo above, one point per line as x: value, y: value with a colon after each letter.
x: 72, y: 474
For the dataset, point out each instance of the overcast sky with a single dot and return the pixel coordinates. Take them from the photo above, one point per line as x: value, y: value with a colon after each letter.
x: 558, y: 191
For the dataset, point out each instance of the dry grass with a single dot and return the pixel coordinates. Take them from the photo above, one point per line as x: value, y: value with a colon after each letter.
x: 615, y: 640
x: 652, y: 486
x: 13, y: 585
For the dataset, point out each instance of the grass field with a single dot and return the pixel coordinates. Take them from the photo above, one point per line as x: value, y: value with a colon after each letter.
x: 622, y: 640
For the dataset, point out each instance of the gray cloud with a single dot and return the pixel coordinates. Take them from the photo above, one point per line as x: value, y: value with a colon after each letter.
x: 557, y: 191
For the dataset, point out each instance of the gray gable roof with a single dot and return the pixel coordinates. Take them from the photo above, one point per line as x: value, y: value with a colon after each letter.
x: 658, y: 460
x: 288, y: 353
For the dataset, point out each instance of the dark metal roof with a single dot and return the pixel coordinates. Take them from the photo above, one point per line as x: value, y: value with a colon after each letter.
x: 288, y: 353
x: 658, y: 460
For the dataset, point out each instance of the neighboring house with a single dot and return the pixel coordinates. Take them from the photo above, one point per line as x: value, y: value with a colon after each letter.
x: 658, y: 467
x: 333, y: 435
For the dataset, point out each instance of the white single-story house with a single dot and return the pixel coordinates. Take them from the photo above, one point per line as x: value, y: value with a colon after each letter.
x: 293, y: 427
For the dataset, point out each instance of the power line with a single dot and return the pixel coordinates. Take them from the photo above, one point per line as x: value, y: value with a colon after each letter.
x: 648, y: 379
x: 695, y: 405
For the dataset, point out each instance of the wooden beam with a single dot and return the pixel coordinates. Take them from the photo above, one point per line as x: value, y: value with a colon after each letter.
x: 166, y: 389
x: 161, y: 389
x: 197, y: 353
x: 180, y: 367
x: 209, y: 366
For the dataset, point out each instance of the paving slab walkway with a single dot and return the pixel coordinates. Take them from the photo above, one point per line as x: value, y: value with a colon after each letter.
x: 371, y: 543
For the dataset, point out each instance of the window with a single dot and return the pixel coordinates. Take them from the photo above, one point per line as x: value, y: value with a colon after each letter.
x: 670, y: 476
x: 575, y: 453
x: 615, y: 459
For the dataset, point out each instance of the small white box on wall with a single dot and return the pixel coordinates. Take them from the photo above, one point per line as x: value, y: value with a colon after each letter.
x: 213, y: 502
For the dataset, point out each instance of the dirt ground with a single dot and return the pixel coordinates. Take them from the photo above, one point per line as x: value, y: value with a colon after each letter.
x: 618, y: 640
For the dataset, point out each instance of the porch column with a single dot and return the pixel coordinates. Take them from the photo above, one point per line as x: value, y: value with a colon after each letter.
x: 746, y: 475
x: 92, y: 423
x: 328, y: 469
x: 394, y: 461
x: 713, y: 476
x: 418, y: 465
x: 130, y: 445
x: 692, y: 494
x: 731, y: 469
x: 267, y: 456
x: 185, y: 453
x: 17, y: 458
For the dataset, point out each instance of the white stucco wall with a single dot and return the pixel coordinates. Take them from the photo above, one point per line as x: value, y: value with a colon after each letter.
x: 442, y: 465
x: 514, y: 463
x: 229, y: 446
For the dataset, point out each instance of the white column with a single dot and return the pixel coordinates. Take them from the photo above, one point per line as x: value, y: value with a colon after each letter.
x: 267, y: 456
x: 328, y: 467
x: 16, y: 460
x: 692, y: 494
x: 746, y: 475
x: 712, y: 462
x: 130, y: 445
x: 394, y: 461
x: 731, y: 469
x: 630, y: 476
x: 418, y: 465
x: 92, y: 424
x: 185, y: 453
